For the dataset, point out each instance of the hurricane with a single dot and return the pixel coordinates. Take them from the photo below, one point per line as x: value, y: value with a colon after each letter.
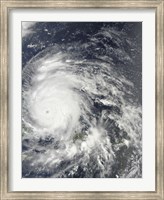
x: 82, y: 100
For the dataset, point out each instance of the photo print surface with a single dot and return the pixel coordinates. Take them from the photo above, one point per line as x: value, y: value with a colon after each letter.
x: 81, y: 99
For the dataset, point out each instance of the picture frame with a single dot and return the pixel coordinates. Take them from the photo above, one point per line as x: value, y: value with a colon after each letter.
x: 6, y: 7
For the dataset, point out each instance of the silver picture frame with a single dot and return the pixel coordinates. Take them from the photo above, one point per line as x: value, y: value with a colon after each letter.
x: 6, y: 6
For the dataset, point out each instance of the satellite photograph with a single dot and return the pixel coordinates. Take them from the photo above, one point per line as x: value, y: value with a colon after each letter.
x: 81, y: 100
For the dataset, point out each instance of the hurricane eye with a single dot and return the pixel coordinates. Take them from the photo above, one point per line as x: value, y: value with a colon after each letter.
x: 81, y: 100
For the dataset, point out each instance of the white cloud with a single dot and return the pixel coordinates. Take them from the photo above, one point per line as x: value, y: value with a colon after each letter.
x: 27, y: 28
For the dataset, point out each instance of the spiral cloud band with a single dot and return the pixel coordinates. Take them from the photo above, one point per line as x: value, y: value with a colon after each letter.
x: 79, y: 116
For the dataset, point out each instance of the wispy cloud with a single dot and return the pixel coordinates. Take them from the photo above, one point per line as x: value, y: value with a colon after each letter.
x: 27, y: 28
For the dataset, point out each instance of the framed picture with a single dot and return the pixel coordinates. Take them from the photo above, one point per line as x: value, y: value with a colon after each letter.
x: 82, y: 99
